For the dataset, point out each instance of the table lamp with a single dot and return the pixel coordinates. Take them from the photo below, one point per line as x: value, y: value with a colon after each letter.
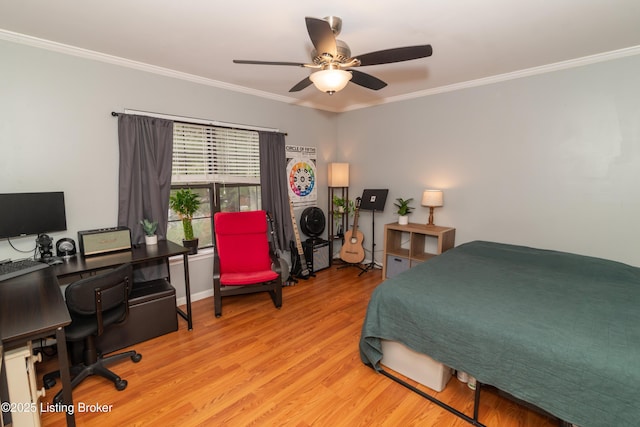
x: 431, y: 199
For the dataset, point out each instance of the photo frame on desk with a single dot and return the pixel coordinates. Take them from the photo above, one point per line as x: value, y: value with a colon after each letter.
x: 104, y: 240
x: 373, y: 200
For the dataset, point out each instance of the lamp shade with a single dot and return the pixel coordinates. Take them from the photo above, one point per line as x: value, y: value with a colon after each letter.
x: 432, y: 198
x: 330, y: 81
x: 338, y: 175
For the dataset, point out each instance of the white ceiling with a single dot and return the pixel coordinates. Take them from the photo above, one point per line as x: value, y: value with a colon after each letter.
x: 198, y: 39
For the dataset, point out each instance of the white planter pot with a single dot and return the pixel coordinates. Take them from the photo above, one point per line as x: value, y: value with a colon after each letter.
x: 403, y: 219
x: 151, y: 240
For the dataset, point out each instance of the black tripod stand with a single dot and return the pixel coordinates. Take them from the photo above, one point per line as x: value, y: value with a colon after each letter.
x: 372, y: 264
x: 373, y: 200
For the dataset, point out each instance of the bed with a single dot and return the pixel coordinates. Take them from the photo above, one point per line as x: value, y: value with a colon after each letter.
x: 558, y: 330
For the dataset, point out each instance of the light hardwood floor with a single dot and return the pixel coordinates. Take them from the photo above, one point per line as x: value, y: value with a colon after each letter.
x: 259, y: 366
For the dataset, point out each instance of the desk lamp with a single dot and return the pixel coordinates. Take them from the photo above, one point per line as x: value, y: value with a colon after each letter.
x: 431, y: 199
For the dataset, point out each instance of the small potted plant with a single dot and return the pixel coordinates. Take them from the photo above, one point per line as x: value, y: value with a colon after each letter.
x: 403, y: 210
x: 185, y: 203
x: 342, y: 207
x: 149, y: 227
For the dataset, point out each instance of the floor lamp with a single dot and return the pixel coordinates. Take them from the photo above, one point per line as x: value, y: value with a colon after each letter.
x: 337, y: 179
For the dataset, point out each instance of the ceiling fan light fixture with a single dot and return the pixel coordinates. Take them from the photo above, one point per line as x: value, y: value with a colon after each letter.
x: 332, y: 58
x: 330, y: 81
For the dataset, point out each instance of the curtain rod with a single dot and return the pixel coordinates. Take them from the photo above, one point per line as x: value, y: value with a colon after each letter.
x: 195, y: 120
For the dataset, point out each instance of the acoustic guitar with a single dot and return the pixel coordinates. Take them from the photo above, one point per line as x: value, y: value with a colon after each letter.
x: 299, y: 265
x: 352, y: 251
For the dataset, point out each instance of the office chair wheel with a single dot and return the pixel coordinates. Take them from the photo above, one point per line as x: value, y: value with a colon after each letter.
x: 57, y: 399
x: 136, y: 357
x: 121, y: 384
x: 48, y: 381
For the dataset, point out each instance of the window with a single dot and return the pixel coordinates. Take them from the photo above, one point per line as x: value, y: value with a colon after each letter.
x: 223, y: 166
x: 213, y: 154
x: 239, y: 198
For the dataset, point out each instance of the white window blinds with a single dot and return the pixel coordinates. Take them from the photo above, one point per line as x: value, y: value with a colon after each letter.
x: 214, y: 154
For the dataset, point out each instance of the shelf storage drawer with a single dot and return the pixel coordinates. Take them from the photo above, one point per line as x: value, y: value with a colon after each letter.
x: 396, y: 265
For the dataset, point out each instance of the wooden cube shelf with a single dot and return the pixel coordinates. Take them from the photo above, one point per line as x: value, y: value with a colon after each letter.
x: 415, y: 243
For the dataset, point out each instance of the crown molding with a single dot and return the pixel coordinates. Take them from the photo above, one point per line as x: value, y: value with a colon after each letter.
x: 111, y: 59
x: 543, y: 69
x: 141, y: 66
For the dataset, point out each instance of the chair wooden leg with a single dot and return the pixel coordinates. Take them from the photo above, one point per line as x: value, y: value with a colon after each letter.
x: 276, y: 295
x: 217, y: 298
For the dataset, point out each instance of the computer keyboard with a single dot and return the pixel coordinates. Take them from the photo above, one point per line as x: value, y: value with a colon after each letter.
x: 20, y: 267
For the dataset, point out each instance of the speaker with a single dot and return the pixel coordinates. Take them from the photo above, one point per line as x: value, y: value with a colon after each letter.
x: 65, y: 248
x: 104, y: 240
x: 316, y: 251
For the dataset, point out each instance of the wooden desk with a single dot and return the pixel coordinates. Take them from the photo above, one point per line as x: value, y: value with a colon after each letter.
x: 32, y: 307
x: 137, y: 255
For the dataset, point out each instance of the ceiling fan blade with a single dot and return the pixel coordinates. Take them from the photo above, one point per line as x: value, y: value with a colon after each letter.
x: 366, y: 80
x: 242, y: 61
x: 398, y: 54
x: 301, y: 85
x: 321, y: 36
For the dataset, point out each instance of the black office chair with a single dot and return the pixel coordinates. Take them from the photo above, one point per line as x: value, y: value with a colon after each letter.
x: 94, y: 304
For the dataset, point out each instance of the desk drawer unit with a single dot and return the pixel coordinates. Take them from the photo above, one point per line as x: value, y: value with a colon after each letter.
x: 21, y: 382
x: 152, y: 313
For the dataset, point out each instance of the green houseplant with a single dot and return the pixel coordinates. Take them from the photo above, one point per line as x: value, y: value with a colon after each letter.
x: 403, y: 210
x: 149, y: 227
x: 185, y: 202
x: 342, y: 207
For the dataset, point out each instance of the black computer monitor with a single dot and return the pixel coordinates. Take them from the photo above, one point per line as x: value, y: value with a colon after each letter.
x: 24, y: 214
x: 373, y: 200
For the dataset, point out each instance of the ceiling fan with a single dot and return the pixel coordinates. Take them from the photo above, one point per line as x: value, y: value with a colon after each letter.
x: 333, y: 61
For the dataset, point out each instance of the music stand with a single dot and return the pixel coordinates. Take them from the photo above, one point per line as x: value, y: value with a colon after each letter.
x: 373, y: 200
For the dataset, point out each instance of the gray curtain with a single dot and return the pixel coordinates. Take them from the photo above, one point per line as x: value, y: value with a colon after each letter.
x: 146, y: 149
x: 273, y: 184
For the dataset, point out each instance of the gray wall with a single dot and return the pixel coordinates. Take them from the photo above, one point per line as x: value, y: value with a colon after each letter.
x: 551, y: 161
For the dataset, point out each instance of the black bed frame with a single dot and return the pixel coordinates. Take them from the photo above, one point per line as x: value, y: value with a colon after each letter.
x: 476, y: 402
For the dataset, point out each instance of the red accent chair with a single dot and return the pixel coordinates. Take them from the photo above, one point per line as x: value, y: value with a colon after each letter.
x: 243, y: 258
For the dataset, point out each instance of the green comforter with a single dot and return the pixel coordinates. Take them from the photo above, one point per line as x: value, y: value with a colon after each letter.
x: 559, y: 330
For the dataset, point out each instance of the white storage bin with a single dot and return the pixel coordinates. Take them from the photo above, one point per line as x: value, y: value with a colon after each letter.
x: 417, y: 366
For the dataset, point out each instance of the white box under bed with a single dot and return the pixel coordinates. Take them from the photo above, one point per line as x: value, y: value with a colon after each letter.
x: 417, y: 366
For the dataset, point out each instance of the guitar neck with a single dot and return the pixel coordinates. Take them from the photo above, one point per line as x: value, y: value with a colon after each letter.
x: 298, y: 242
x: 272, y: 226
x: 355, y: 219
x: 295, y: 231
x: 356, y: 215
